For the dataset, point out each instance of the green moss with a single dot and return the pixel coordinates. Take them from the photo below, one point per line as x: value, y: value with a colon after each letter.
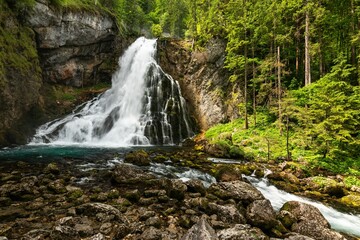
x: 18, y: 51
x: 75, y: 194
x: 351, y: 181
x: 351, y: 200
x: 323, y: 181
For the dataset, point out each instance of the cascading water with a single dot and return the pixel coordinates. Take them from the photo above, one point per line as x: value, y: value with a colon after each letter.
x: 144, y: 106
x: 339, y: 221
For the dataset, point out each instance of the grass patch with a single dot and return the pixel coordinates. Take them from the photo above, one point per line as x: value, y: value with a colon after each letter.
x: 265, y: 139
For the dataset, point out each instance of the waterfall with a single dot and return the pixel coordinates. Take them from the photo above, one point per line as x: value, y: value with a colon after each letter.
x: 143, y: 107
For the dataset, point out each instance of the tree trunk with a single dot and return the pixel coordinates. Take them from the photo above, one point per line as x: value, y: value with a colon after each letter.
x: 279, y: 87
x: 245, y: 87
x: 245, y: 73
x: 321, y: 64
x: 253, y: 85
x: 307, y: 50
x: 287, y: 138
x: 297, y: 36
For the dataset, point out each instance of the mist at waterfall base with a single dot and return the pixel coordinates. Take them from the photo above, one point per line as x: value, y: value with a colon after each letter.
x: 143, y: 107
x: 342, y: 222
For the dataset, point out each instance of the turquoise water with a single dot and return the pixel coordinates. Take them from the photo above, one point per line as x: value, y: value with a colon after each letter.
x: 47, y: 152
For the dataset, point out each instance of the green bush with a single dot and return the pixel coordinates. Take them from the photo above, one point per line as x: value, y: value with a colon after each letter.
x: 156, y: 30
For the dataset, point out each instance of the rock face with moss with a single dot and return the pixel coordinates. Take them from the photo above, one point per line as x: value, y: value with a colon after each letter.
x: 47, y: 54
x: 20, y: 77
x: 203, y: 79
x: 74, y: 45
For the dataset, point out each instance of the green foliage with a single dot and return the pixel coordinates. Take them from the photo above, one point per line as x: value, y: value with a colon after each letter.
x: 323, y: 181
x: 333, y: 114
x: 352, y: 181
x: 156, y: 30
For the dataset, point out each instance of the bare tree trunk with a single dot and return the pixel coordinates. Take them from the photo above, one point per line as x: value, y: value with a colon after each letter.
x: 279, y: 87
x: 307, y: 50
x: 297, y: 36
x: 253, y: 85
x: 245, y: 73
x: 245, y: 87
x: 287, y: 138
x: 321, y: 64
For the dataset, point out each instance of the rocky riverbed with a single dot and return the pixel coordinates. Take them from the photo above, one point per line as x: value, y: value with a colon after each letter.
x: 118, y: 196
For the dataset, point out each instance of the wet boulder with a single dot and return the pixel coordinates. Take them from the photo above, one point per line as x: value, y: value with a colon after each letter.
x: 302, y: 211
x: 52, y: 168
x: 311, y: 229
x: 237, y: 190
x: 200, y: 231
x: 227, y: 173
x: 309, y: 221
x: 140, y: 158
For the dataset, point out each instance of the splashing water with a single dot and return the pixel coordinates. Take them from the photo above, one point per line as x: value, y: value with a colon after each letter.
x: 339, y: 221
x: 144, y: 106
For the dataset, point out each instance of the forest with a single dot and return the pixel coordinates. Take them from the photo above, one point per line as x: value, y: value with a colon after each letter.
x: 294, y: 67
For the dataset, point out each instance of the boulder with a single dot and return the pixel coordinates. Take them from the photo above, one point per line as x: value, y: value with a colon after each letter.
x: 98, y: 236
x: 196, y: 186
x: 242, y: 232
x: 228, y: 173
x: 62, y: 232
x: 296, y: 236
x: 176, y: 189
x: 227, y: 213
x: 200, y: 231
x: 140, y: 158
x: 100, y: 210
x: 36, y: 234
x: 237, y: 190
x: 302, y: 211
x: 309, y: 221
x: 318, y: 232
x: 127, y: 174
x: 151, y: 233
x: 261, y: 214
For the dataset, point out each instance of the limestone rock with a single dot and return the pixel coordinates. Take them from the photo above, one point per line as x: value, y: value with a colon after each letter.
x: 242, y: 232
x: 97, y: 209
x: 261, y: 214
x: 237, y: 190
x: 318, y: 232
x: 295, y: 236
x: 310, y: 222
x: 200, y: 231
x: 303, y: 211
x: 124, y: 173
x: 176, y: 189
x: 227, y: 213
x: 196, y: 186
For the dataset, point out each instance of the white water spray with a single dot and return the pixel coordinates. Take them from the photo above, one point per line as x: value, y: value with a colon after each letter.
x: 135, y: 111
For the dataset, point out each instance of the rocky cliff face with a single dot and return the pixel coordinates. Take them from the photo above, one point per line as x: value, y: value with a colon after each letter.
x: 20, y: 77
x: 75, y: 48
x: 203, y: 79
x: 48, y: 52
